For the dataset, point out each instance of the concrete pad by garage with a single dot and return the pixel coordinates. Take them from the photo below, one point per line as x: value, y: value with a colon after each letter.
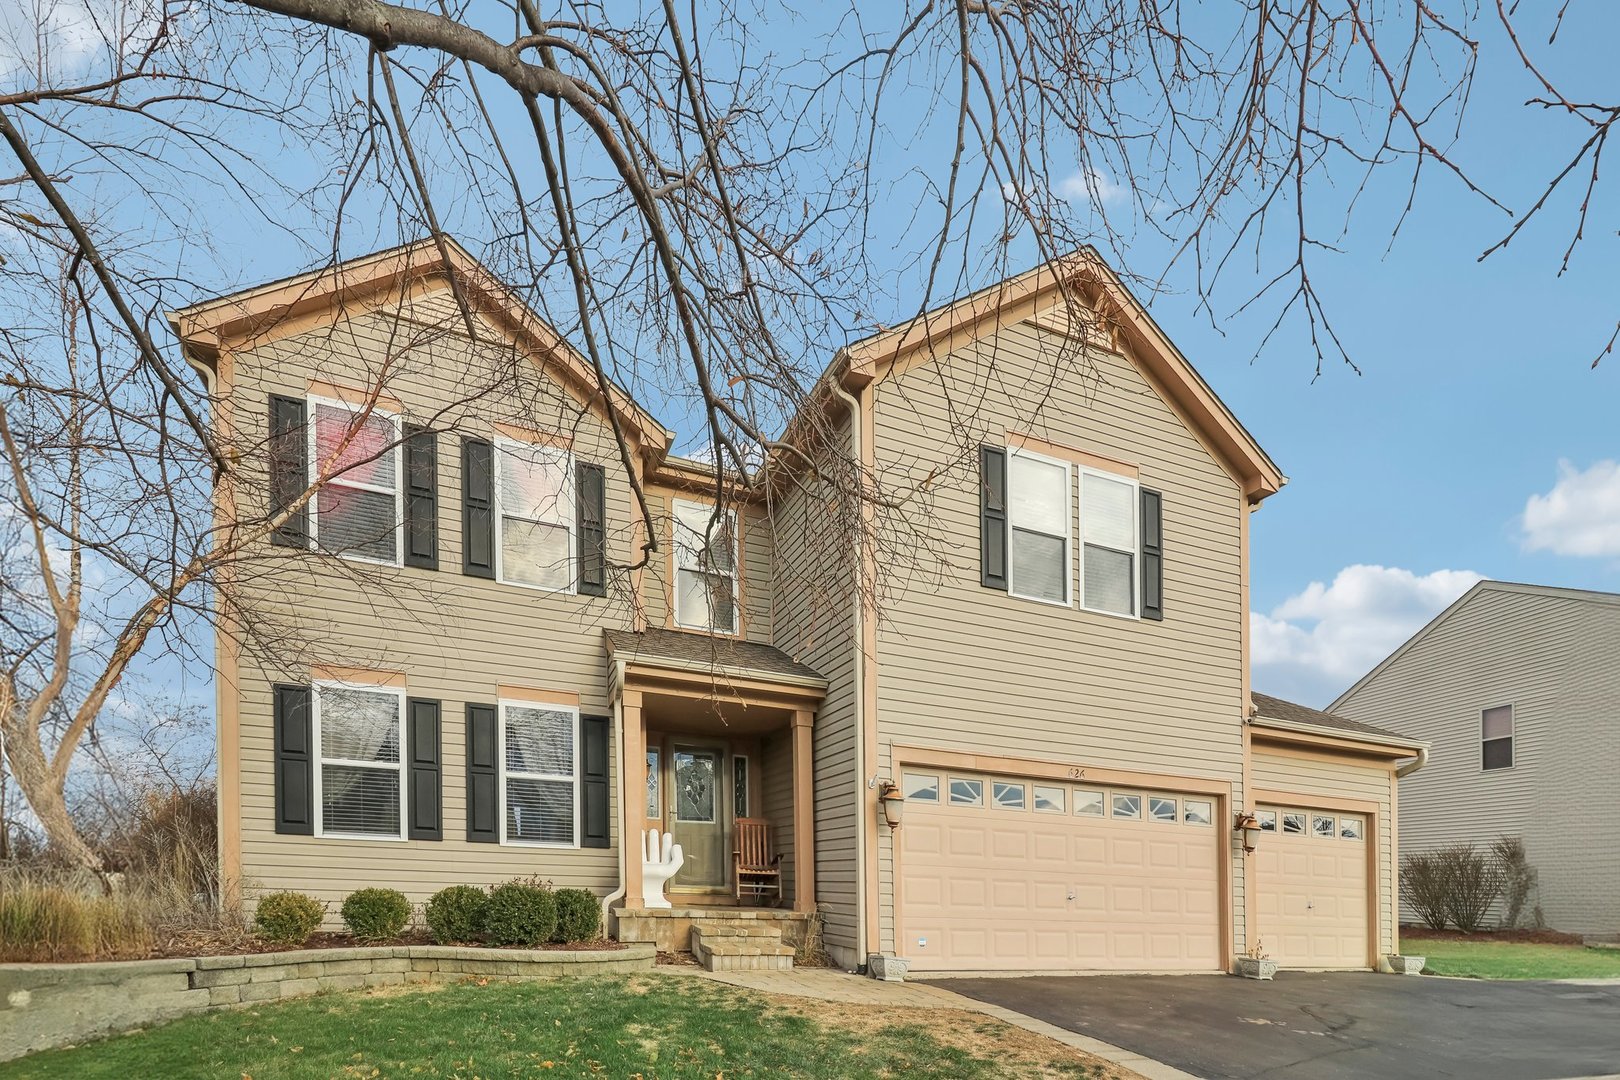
x: 1330, y: 1025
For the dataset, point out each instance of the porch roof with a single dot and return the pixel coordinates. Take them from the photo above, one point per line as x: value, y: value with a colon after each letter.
x: 684, y: 651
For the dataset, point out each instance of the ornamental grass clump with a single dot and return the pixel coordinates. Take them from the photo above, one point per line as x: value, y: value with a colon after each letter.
x: 456, y: 916
x: 520, y: 913
x: 376, y: 914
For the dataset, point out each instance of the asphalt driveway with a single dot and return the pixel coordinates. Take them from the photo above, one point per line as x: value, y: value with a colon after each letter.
x: 1328, y: 1026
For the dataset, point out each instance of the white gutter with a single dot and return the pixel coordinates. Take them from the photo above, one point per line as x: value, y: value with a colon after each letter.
x: 858, y: 628
x: 1415, y: 764
x: 1419, y: 748
x: 624, y: 789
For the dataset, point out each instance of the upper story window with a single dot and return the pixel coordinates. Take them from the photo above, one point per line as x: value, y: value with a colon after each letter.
x: 1496, y: 737
x: 534, y: 494
x: 1039, y: 527
x: 1109, y: 544
x: 705, y: 567
x: 358, y: 513
x: 358, y: 734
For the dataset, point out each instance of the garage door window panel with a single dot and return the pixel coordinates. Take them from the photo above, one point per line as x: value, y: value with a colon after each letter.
x: 1127, y: 806
x: 967, y: 792
x: 1323, y: 827
x: 1198, y: 812
x: 1496, y: 738
x: 1050, y: 800
x: 1008, y: 796
x: 1294, y: 824
x: 921, y: 787
x: 1088, y: 803
x: 1163, y: 809
x: 1267, y: 820
x: 1350, y: 828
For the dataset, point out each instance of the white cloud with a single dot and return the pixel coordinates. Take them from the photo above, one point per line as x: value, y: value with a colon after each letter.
x: 1090, y: 186
x: 1579, y: 516
x: 1318, y: 641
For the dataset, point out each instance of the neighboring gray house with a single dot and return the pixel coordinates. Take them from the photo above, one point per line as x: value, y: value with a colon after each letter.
x: 1517, y: 690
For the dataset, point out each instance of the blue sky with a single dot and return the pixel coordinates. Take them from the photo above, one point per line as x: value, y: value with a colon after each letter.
x: 1475, y: 402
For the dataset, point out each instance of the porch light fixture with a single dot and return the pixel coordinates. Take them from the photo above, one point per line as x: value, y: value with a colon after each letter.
x: 893, y: 803
x: 1248, y: 827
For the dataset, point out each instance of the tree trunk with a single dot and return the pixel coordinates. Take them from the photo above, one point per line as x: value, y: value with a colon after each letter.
x: 44, y: 795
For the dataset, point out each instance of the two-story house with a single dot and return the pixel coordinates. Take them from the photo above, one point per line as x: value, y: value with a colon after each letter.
x: 1517, y: 689
x: 458, y: 662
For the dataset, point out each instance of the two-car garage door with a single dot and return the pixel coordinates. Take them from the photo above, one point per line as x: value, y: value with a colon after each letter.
x: 1006, y: 873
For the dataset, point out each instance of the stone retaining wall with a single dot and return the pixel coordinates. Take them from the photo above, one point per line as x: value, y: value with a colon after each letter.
x: 46, y: 1005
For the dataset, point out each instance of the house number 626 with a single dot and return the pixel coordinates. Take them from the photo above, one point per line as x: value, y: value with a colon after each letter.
x: 1076, y: 773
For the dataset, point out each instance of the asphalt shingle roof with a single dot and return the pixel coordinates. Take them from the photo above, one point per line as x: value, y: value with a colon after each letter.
x: 680, y: 647
x: 1271, y: 708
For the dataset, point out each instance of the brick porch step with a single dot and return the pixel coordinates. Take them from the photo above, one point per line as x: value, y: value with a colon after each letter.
x: 741, y: 948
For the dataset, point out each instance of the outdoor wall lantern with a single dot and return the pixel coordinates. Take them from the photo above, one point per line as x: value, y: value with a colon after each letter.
x: 893, y: 803
x: 1247, y: 826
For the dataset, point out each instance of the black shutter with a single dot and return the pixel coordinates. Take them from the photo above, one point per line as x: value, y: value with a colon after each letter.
x: 590, y: 512
x: 421, y: 498
x: 483, y: 775
x: 993, y: 517
x: 477, y: 508
x: 1152, y: 555
x: 422, y: 759
x: 294, y: 761
x: 289, y: 468
x: 595, y: 829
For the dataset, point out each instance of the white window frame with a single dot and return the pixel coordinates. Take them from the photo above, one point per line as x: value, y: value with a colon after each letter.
x: 312, y: 451
x: 1136, y: 535
x: 1512, y: 738
x: 569, y: 494
x: 1068, y: 531
x: 500, y: 748
x: 321, y: 760
x: 676, y: 506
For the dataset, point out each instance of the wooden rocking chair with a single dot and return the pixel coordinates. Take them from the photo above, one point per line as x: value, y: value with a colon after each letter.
x: 756, y: 871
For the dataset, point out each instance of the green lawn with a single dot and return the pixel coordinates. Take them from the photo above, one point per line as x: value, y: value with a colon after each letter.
x: 649, y: 1026
x: 1514, y: 959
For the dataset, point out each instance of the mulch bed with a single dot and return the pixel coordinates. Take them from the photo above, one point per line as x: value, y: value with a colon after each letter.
x: 1529, y: 937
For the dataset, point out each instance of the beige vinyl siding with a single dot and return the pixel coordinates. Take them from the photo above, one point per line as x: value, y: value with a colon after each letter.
x: 1347, y: 779
x: 1554, y: 657
x: 812, y: 593
x: 456, y: 638
x: 776, y: 800
x: 972, y: 669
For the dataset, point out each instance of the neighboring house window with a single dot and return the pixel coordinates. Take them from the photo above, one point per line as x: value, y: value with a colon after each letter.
x: 1108, y: 509
x: 534, y: 504
x: 358, y: 733
x: 358, y: 513
x: 1039, y: 527
x: 539, y: 764
x: 1496, y: 737
x: 739, y: 785
x: 705, y: 568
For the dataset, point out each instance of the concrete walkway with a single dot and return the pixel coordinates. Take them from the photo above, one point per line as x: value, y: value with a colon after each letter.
x: 830, y: 984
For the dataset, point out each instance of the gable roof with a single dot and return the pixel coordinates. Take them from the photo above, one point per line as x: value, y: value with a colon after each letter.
x: 1276, y: 710
x: 263, y: 312
x: 1517, y: 588
x: 1091, y: 279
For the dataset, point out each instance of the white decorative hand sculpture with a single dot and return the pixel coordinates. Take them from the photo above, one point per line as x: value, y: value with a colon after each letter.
x: 661, y: 860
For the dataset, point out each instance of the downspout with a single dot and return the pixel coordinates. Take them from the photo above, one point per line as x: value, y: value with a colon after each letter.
x: 1415, y: 764
x: 858, y: 628
x: 624, y: 793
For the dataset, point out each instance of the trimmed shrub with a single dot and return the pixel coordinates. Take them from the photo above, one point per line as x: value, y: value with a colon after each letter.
x: 1424, y: 885
x: 456, y: 915
x: 579, y: 916
x: 376, y: 914
x: 288, y: 918
x: 520, y: 913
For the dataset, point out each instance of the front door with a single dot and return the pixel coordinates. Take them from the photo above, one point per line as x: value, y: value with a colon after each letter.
x: 698, y: 816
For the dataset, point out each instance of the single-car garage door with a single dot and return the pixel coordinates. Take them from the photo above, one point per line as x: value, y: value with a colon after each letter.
x: 1004, y: 873
x: 1311, y: 871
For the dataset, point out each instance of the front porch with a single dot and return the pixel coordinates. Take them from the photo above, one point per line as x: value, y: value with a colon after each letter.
x: 717, y: 751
